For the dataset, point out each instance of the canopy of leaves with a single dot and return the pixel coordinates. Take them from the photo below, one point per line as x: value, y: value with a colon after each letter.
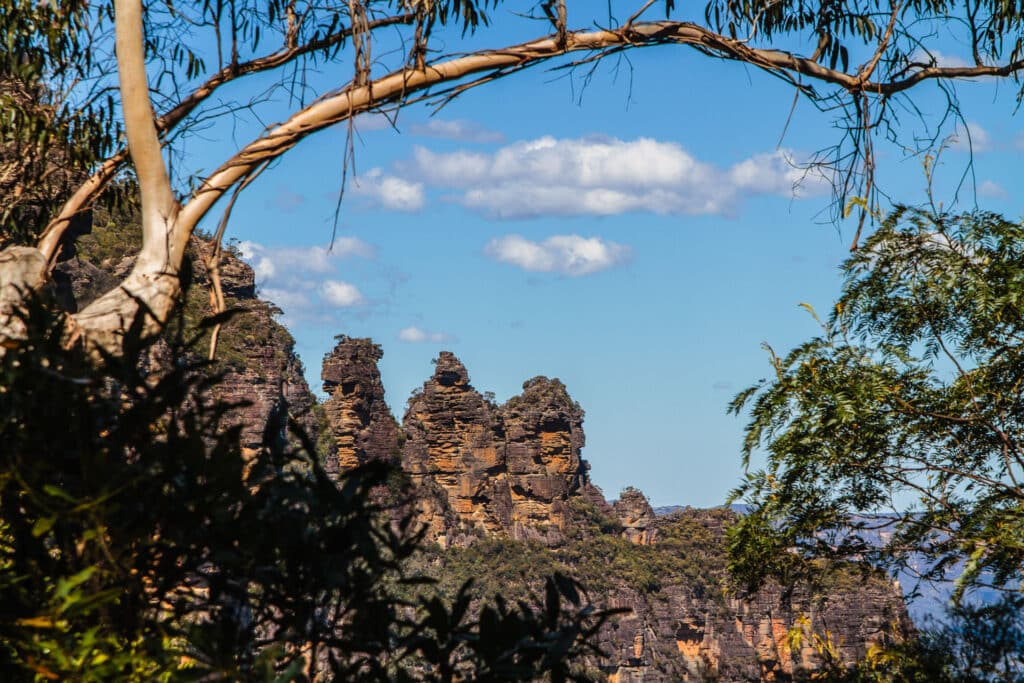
x: 909, y: 404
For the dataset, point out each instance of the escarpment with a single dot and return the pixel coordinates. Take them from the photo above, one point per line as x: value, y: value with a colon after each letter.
x: 262, y: 377
x: 500, y: 485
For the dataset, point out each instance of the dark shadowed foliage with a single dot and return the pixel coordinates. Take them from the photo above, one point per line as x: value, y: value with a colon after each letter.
x: 139, y: 542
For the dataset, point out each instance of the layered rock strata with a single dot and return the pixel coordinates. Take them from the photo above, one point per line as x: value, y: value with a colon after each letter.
x: 359, y: 420
x: 636, y: 517
x: 455, y: 447
x: 543, y: 437
x: 686, y: 633
x: 514, y: 474
x: 511, y: 470
x: 477, y: 468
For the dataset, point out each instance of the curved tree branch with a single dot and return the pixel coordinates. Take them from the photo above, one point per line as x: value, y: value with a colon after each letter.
x: 87, y: 193
x: 153, y: 284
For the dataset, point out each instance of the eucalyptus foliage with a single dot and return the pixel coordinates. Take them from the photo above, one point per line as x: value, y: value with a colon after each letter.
x: 908, y: 404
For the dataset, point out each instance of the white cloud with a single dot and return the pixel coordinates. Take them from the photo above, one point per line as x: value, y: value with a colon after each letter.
x: 340, y: 294
x: 389, y: 192
x: 936, y: 58
x: 415, y: 335
x: 565, y: 254
x: 287, y: 299
x: 775, y: 173
x: 457, y: 129
x: 302, y: 280
x: 971, y: 137
x: 284, y: 262
x: 601, y: 176
x: 992, y: 190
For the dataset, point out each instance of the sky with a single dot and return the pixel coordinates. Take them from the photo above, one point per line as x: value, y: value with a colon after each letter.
x: 639, y: 238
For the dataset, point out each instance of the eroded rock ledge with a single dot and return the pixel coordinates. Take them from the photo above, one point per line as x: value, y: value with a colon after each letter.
x: 479, y: 468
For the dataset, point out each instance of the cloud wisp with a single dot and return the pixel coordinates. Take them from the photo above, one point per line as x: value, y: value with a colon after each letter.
x: 298, y: 279
x: 971, y: 137
x: 588, y: 177
x: 570, y: 255
x: 457, y: 129
x: 992, y: 190
x: 416, y: 335
x: 388, y: 191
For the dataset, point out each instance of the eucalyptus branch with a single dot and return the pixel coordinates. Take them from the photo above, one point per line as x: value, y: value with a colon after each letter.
x: 87, y: 193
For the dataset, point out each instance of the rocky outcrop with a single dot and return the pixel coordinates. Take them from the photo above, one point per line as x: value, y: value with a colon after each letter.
x: 686, y: 633
x: 455, y: 446
x: 263, y: 378
x: 636, y: 517
x: 256, y: 352
x: 477, y: 468
x: 514, y: 474
x: 360, y: 422
x: 511, y: 470
x: 543, y: 430
x: 770, y: 636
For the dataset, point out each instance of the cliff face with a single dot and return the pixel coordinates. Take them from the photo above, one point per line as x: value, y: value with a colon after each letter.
x: 636, y: 517
x: 543, y: 439
x: 454, y: 453
x: 686, y: 628
x: 510, y: 470
x: 360, y: 422
x: 477, y: 468
x: 254, y: 351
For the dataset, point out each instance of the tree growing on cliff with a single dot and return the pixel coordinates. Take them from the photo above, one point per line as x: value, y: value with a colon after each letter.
x: 908, y: 404
x: 867, y: 56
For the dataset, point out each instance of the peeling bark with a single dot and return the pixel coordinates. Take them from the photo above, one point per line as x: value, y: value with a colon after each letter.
x: 22, y: 270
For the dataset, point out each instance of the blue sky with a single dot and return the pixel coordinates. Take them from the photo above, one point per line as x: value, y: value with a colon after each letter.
x: 639, y: 242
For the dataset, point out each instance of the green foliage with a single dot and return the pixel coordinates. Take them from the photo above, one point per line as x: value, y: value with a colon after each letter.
x: 47, y: 139
x: 909, y: 402
x: 136, y: 543
x: 116, y: 230
x: 688, y: 553
x: 842, y: 28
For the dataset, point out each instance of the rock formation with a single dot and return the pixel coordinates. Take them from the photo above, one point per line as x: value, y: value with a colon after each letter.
x: 478, y: 469
x: 455, y: 446
x: 513, y: 474
x: 543, y: 437
x: 636, y: 516
x: 263, y: 377
x: 359, y: 419
x: 693, y: 632
x: 257, y: 353
x: 512, y: 470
